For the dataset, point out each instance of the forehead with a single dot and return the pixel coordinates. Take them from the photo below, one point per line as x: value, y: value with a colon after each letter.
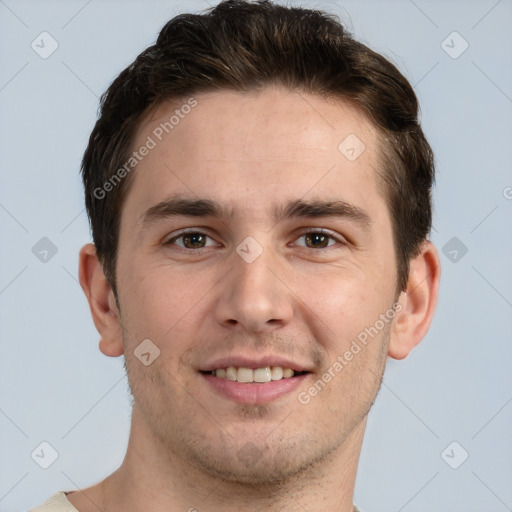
x: 235, y: 144
x: 222, y: 119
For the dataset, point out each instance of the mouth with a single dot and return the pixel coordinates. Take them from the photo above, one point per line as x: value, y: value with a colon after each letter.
x: 255, y: 383
x: 254, y: 375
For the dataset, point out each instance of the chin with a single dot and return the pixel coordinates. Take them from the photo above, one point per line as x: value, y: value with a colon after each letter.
x: 263, y: 465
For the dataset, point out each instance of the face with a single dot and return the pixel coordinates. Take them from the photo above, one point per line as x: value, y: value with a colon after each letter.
x: 253, y: 244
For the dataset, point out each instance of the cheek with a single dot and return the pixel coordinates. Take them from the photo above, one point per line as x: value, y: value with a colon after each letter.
x: 160, y: 303
x: 342, y: 306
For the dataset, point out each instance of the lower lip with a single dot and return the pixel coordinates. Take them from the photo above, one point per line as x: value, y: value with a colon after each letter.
x: 256, y: 392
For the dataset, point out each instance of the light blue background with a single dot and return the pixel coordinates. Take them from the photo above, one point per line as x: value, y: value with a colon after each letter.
x: 456, y: 386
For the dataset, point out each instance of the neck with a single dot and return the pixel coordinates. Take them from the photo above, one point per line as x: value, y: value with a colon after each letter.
x: 152, y: 478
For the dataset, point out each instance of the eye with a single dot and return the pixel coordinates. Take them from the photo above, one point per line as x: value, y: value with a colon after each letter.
x: 191, y: 240
x: 319, y: 239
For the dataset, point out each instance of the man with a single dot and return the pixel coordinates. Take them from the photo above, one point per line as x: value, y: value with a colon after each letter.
x: 259, y: 191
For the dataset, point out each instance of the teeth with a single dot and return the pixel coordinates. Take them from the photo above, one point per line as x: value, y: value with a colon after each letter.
x: 230, y: 373
x: 277, y: 373
x: 245, y: 375
x: 287, y: 373
x: 262, y: 375
x: 221, y: 373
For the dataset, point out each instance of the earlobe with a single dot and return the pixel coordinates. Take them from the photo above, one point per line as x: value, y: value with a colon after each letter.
x: 101, y: 300
x: 418, y: 302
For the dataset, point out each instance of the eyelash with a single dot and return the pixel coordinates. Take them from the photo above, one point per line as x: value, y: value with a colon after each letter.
x: 301, y: 234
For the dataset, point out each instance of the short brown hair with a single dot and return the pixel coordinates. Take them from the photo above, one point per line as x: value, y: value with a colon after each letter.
x: 242, y: 46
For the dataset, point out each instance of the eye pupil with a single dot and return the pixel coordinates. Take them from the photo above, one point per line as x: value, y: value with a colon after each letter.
x: 193, y: 239
x: 197, y: 240
x: 317, y: 239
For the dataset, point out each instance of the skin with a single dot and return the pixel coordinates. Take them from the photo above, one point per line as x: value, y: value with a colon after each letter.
x: 251, y: 152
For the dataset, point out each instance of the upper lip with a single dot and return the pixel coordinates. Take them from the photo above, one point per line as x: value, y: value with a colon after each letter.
x: 253, y: 363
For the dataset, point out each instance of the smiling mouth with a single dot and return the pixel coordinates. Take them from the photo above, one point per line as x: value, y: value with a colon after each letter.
x: 256, y: 375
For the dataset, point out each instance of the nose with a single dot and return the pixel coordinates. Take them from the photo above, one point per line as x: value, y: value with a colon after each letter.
x: 253, y: 297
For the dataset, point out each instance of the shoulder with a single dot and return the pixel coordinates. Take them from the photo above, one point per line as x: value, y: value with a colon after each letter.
x: 58, y: 502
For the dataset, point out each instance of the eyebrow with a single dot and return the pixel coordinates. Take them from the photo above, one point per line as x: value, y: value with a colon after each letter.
x: 182, y: 206
x: 298, y: 208
x: 322, y: 208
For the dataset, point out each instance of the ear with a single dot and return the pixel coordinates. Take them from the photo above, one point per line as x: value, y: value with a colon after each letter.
x: 101, y: 300
x: 417, y: 302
